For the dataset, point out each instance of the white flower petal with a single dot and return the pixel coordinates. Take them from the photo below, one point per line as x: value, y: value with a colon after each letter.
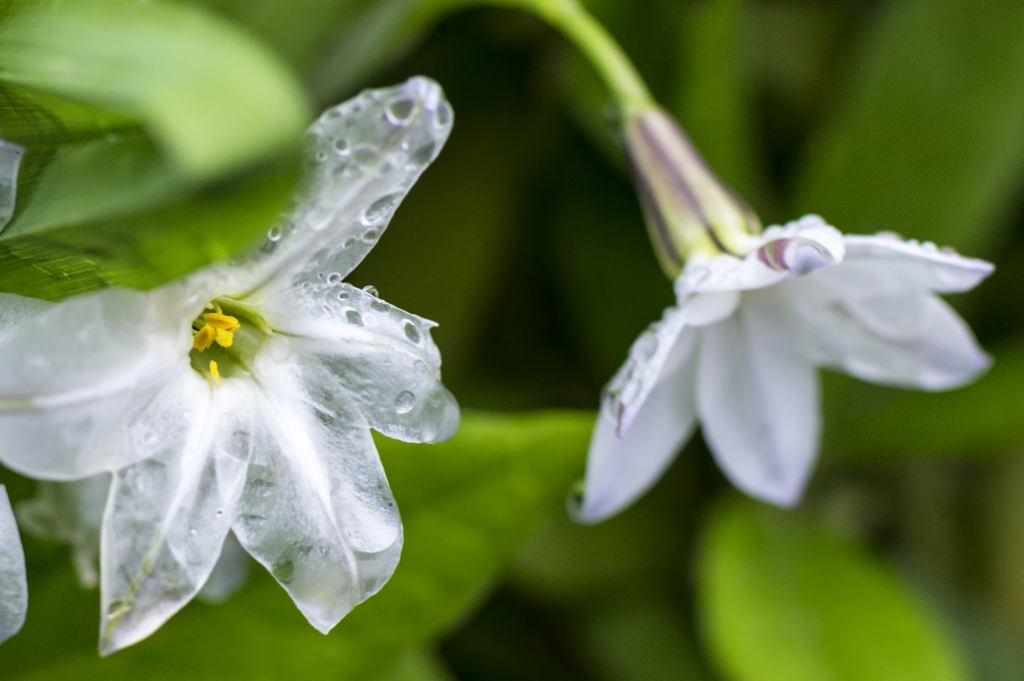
x: 914, y: 340
x: 363, y: 157
x: 316, y: 510
x: 10, y: 159
x: 909, y: 265
x: 73, y: 376
x: 658, y: 351
x: 165, y: 523
x: 70, y: 512
x: 798, y: 248
x: 15, y: 310
x: 348, y: 340
x: 757, y: 397
x: 13, y: 585
x: 229, y: 575
x: 620, y: 468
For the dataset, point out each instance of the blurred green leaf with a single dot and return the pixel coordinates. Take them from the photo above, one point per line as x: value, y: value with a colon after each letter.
x: 781, y: 600
x: 212, y: 98
x: 148, y: 249
x: 927, y: 140
x: 467, y: 506
x: 983, y: 419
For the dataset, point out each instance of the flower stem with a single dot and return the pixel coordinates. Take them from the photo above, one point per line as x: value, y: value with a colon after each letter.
x: 597, y: 45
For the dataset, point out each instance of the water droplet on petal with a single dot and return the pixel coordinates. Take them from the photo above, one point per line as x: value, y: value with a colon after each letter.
x: 341, y: 147
x: 422, y: 155
x: 283, y: 571
x: 275, y: 233
x: 399, y: 112
x: 371, y: 291
x: 381, y: 209
x: 405, y: 402
x: 354, y: 317
x: 192, y: 533
x: 343, y: 295
x: 334, y: 278
x: 411, y: 332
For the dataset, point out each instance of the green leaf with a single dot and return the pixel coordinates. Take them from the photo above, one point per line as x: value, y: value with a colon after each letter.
x: 211, y: 98
x: 928, y: 140
x: 467, y: 506
x: 781, y: 600
x: 982, y: 419
x: 144, y: 250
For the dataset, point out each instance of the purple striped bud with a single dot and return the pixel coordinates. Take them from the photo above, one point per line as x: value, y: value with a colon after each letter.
x: 687, y: 208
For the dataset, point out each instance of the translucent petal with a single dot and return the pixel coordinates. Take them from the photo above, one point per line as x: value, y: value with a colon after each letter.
x: 166, y: 521
x: 620, y: 468
x: 914, y: 340
x: 658, y: 351
x: 70, y: 512
x: 10, y: 159
x: 909, y: 265
x: 229, y: 575
x: 15, y: 310
x: 91, y: 384
x: 348, y: 340
x: 13, y: 586
x: 362, y: 158
x: 757, y: 397
x: 798, y: 247
x: 316, y: 510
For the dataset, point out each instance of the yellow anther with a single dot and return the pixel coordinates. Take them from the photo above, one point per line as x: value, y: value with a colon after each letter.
x: 214, y: 371
x: 224, y: 338
x: 204, y: 338
x: 221, y: 322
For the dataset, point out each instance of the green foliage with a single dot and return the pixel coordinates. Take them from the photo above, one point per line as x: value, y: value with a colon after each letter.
x: 467, y: 505
x: 926, y: 139
x: 128, y: 112
x: 782, y: 600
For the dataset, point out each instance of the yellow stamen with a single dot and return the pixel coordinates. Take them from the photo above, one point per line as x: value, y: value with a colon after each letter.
x: 204, y: 338
x: 214, y: 372
x: 224, y: 338
x: 221, y: 321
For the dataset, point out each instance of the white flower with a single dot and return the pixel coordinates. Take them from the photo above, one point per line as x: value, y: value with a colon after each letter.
x: 13, y: 587
x: 739, y: 352
x: 241, y: 399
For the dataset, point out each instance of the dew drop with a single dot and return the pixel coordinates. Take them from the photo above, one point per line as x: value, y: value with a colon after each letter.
x: 411, y: 332
x: 192, y: 533
x: 370, y: 235
x: 275, y: 233
x: 349, y: 243
x: 365, y: 154
x: 334, y: 278
x: 404, y: 402
x: 220, y: 512
x: 380, y: 306
x: 422, y: 155
x: 399, y: 112
x: 371, y: 290
x: 321, y: 156
x: 343, y: 295
x: 444, y: 115
x: 117, y: 607
x: 381, y: 209
x: 283, y: 571
x: 354, y: 317
x: 341, y: 147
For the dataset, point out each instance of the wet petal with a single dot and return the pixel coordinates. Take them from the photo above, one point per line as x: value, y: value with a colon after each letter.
x: 316, y: 510
x: 620, y: 468
x: 229, y: 575
x: 796, y: 249
x: 348, y: 340
x: 10, y: 159
x: 757, y: 396
x: 166, y: 521
x: 908, y: 265
x: 72, y: 513
x: 13, y: 586
x: 362, y: 158
x: 91, y: 384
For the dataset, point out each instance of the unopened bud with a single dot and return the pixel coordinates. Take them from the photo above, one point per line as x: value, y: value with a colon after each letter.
x: 688, y: 209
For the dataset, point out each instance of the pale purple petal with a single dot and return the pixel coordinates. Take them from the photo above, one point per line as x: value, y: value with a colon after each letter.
x: 621, y: 467
x: 13, y: 585
x: 757, y: 397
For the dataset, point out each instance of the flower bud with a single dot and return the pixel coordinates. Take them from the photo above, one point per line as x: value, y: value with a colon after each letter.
x: 688, y: 209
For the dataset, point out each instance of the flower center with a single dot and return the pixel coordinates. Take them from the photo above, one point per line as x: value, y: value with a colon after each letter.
x: 225, y: 341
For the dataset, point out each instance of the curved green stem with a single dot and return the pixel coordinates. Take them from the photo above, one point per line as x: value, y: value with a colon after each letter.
x: 593, y: 40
